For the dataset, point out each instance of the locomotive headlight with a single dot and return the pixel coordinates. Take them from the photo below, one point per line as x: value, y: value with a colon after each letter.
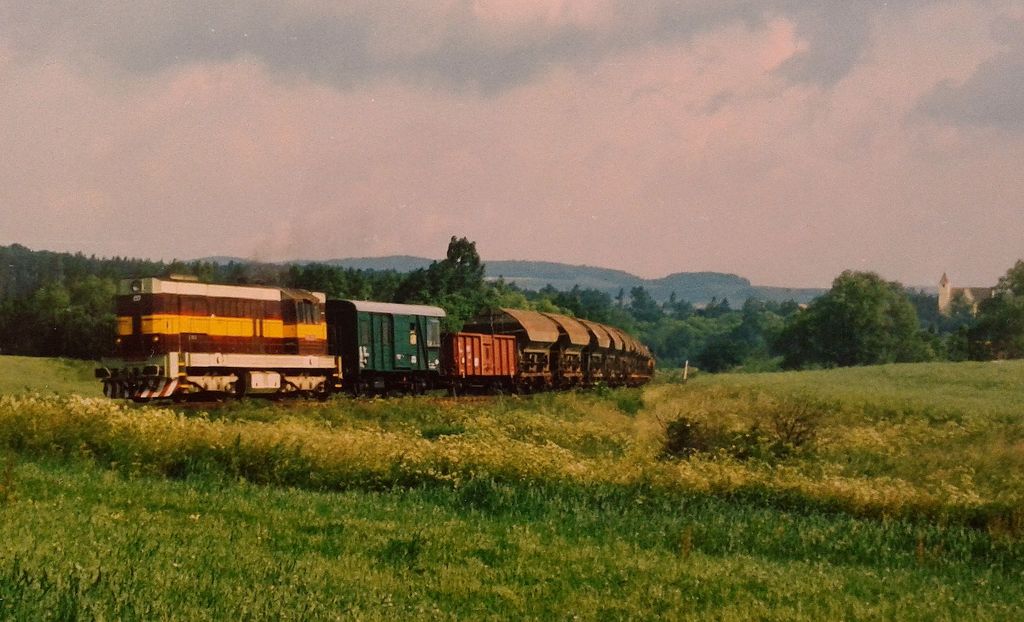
x: 156, y: 338
x: 136, y: 286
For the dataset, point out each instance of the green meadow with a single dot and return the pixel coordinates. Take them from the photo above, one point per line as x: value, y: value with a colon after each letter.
x: 868, y: 493
x: 26, y: 374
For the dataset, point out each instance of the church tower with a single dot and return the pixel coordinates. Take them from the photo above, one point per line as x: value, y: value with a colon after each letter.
x: 945, y: 294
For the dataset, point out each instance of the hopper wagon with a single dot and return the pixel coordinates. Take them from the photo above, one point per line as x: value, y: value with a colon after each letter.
x: 567, y: 353
x: 535, y: 335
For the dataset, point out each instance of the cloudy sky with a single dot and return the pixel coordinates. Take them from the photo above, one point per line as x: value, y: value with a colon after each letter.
x: 782, y: 140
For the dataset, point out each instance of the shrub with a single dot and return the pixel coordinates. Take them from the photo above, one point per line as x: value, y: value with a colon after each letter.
x: 785, y: 426
x: 684, y: 437
x: 794, y: 422
x: 629, y: 401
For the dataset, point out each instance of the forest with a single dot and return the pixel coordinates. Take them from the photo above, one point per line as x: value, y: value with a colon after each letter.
x: 61, y: 304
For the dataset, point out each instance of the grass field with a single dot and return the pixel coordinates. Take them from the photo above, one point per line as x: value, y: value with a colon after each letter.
x: 884, y: 492
x: 24, y: 374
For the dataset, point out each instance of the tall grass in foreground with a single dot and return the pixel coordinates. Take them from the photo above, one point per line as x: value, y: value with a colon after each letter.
x: 892, y: 492
x: 923, y: 462
x: 82, y: 542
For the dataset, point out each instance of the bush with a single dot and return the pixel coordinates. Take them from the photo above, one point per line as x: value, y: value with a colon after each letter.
x: 683, y: 438
x: 787, y: 426
x: 794, y: 422
x: 629, y: 401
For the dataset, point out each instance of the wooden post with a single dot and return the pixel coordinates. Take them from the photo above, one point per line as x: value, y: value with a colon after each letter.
x: 686, y: 369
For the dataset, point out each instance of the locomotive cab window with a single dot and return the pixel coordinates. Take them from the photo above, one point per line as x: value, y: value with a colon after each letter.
x: 307, y: 312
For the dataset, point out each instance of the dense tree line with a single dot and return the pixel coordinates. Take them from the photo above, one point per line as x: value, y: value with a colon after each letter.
x: 61, y: 304
x: 861, y: 320
x: 715, y: 337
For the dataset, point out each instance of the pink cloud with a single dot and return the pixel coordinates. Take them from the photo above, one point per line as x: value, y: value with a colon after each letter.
x: 673, y: 156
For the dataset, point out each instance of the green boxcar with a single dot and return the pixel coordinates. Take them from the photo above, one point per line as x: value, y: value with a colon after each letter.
x: 385, y: 347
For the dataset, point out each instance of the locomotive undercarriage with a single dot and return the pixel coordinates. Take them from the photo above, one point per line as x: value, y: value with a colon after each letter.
x: 182, y: 375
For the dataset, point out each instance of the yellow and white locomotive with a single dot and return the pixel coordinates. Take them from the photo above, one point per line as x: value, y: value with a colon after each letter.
x: 176, y: 336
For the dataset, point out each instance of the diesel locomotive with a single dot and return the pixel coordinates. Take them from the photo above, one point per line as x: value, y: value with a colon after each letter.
x: 178, y: 338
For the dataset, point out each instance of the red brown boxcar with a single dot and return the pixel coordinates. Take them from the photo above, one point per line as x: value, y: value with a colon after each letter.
x: 479, y: 362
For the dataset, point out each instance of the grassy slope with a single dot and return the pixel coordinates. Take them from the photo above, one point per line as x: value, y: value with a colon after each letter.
x: 543, y: 507
x: 937, y: 438
x: 22, y: 374
x: 975, y: 389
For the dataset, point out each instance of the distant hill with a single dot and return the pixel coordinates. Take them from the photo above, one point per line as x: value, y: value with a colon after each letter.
x: 695, y: 287
x: 538, y: 274
x: 398, y: 263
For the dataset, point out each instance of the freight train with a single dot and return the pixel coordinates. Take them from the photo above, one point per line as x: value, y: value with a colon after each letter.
x: 178, y: 338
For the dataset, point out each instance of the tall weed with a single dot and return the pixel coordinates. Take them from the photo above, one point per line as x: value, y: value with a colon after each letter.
x: 785, y: 447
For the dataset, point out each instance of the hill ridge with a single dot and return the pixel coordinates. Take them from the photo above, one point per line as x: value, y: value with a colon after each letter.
x: 698, y: 287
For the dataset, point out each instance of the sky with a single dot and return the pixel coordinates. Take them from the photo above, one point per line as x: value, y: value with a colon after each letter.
x: 781, y: 140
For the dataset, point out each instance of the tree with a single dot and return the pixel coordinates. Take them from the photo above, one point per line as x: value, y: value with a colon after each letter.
x: 999, y: 332
x: 1012, y: 283
x: 722, y: 353
x: 463, y: 266
x: 679, y: 309
x: 455, y: 283
x: 643, y: 307
x: 862, y: 320
x: 716, y: 309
